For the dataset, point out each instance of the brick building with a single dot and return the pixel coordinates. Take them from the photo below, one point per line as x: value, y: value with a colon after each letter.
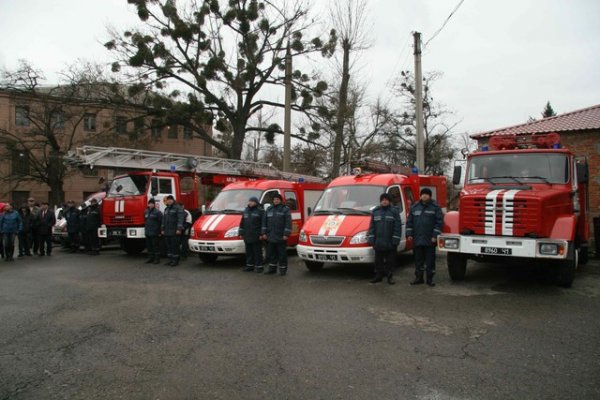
x: 579, y: 131
x: 93, y: 123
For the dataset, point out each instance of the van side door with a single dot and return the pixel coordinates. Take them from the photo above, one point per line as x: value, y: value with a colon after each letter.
x: 398, y: 202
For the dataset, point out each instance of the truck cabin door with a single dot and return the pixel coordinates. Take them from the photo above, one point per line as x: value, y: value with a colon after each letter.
x: 398, y: 202
x: 160, y: 188
x: 291, y: 200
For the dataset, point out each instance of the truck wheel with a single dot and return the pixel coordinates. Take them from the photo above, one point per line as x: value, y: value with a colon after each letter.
x: 583, y: 255
x: 314, y: 266
x: 457, y: 266
x: 208, y: 258
x: 566, y: 271
x: 133, y: 246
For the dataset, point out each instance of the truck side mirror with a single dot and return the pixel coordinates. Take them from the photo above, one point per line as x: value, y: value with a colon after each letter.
x: 154, y: 192
x: 309, y: 211
x: 582, y: 173
x: 457, y: 174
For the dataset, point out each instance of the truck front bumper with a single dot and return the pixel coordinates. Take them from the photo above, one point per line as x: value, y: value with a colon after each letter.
x: 356, y: 255
x: 124, y: 232
x: 217, y: 246
x: 504, y: 246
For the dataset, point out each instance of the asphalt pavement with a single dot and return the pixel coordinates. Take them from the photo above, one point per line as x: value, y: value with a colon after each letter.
x: 111, y: 327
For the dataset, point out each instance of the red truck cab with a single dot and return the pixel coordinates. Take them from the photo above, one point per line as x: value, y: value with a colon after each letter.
x: 337, y: 230
x: 216, y: 232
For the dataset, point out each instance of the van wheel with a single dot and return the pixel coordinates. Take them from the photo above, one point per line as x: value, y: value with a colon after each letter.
x: 208, y: 258
x: 566, y: 270
x: 133, y: 246
x: 457, y: 266
x: 314, y: 266
x: 583, y: 255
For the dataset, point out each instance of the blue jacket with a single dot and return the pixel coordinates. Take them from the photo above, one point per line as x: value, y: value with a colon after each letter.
x: 385, y: 229
x: 173, y: 219
x: 425, y: 222
x: 251, y: 224
x: 11, y: 222
x: 72, y: 217
x: 277, y: 223
x: 153, y: 222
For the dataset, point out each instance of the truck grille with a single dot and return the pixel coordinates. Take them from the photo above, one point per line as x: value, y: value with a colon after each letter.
x: 327, y: 240
x: 121, y: 220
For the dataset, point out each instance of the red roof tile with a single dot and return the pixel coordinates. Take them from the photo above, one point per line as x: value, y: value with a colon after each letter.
x: 579, y: 120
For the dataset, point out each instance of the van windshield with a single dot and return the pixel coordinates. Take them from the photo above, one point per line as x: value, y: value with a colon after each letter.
x: 355, y: 199
x: 519, y: 168
x: 233, y: 200
x: 129, y: 185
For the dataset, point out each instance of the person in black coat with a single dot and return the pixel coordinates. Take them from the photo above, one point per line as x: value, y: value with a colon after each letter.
x: 423, y: 226
x: 83, y: 237
x: 92, y: 223
x: 25, y: 235
x: 385, y: 232
x: 172, y: 228
x: 46, y: 220
x: 71, y: 215
x: 152, y: 226
x: 276, y: 230
x: 250, y: 229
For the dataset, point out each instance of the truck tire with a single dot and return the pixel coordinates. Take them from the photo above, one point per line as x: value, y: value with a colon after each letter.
x: 208, y: 258
x: 565, y: 273
x: 583, y: 255
x: 314, y: 266
x: 457, y: 266
x: 133, y: 246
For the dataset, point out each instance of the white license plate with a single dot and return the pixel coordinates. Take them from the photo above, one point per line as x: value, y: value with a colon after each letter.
x: 327, y: 257
x: 499, y: 251
x: 206, y: 248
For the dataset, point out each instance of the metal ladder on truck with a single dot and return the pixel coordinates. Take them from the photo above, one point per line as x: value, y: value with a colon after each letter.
x: 118, y: 157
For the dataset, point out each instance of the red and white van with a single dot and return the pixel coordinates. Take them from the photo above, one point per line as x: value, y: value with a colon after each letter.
x: 216, y: 232
x: 336, y: 232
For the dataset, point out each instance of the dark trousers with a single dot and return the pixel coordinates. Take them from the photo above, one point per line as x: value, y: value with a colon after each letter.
x: 74, y: 241
x: 183, y: 246
x: 45, y: 244
x: 93, y: 241
x: 153, y: 246
x: 24, y: 243
x: 385, y: 260
x: 35, y: 242
x: 9, y: 244
x: 85, y: 241
x: 173, y: 246
x: 424, y: 260
x: 254, y: 257
x: 277, y: 255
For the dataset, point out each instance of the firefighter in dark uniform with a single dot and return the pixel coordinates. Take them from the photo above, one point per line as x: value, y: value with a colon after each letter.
x: 172, y: 228
x: 385, y: 231
x: 276, y: 230
x: 152, y: 226
x: 424, y: 224
x: 250, y: 229
x: 72, y: 217
x: 92, y: 223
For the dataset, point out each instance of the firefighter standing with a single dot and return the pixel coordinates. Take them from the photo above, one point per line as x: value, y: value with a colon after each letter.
x: 152, y: 226
x: 92, y: 223
x: 424, y: 224
x: 172, y: 228
x: 384, y: 235
x: 45, y: 221
x: 10, y: 226
x: 276, y: 230
x: 72, y: 217
x: 250, y: 229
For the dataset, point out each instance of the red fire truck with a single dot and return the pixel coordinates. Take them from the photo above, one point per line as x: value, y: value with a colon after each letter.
x: 216, y: 232
x: 158, y: 175
x: 337, y: 230
x: 523, y: 197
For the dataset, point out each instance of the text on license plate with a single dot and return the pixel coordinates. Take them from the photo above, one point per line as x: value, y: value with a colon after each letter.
x: 500, y: 251
x: 327, y: 257
x: 206, y: 248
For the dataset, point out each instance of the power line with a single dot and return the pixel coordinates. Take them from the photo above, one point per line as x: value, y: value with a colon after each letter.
x: 445, y: 22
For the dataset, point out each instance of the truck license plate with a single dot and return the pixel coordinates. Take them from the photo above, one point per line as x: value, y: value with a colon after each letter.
x: 327, y: 257
x: 497, y: 251
x: 207, y: 248
x: 115, y: 233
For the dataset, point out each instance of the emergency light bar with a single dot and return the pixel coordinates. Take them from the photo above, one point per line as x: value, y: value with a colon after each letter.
x: 365, y: 165
x: 547, y: 141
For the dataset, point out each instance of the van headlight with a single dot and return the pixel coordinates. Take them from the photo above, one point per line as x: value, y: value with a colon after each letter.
x: 359, y: 238
x: 549, y: 249
x: 192, y: 232
x: 233, y: 232
x: 302, y: 236
x: 450, y: 243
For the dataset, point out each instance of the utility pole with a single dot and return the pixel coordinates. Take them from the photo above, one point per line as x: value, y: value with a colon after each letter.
x: 287, y: 124
x: 419, y: 104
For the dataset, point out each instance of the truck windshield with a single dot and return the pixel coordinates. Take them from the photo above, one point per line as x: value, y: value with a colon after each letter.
x: 355, y: 199
x: 233, y: 200
x: 519, y: 168
x: 129, y: 185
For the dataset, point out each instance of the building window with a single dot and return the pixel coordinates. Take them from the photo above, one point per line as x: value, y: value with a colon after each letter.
x: 57, y: 121
x: 156, y: 128
x: 22, y: 115
x: 20, y: 162
x: 19, y: 198
x: 187, y: 132
x: 138, y: 125
x: 89, y: 122
x: 121, y: 125
x: 173, y: 132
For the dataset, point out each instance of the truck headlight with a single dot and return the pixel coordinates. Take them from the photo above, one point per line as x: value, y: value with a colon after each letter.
x: 450, y: 243
x: 192, y: 232
x: 550, y: 249
x: 302, y: 237
x: 359, y: 238
x: 233, y: 232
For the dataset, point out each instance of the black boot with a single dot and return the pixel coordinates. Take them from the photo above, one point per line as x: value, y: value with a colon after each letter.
x: 156, y: 259
x: 248, y: 268
x: 430, y: 280
x: 378, y: 278
x: 282, y: 271
x: 149, y: 260
x: 418, y: 279
x: 390, y: 279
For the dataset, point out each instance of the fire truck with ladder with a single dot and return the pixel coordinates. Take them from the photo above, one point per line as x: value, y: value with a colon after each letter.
x: 523, y: 197
x: 336, y: 232
x: 157, y: 175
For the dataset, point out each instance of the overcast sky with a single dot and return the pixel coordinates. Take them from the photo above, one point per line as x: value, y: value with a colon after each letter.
x: 501, y: 60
